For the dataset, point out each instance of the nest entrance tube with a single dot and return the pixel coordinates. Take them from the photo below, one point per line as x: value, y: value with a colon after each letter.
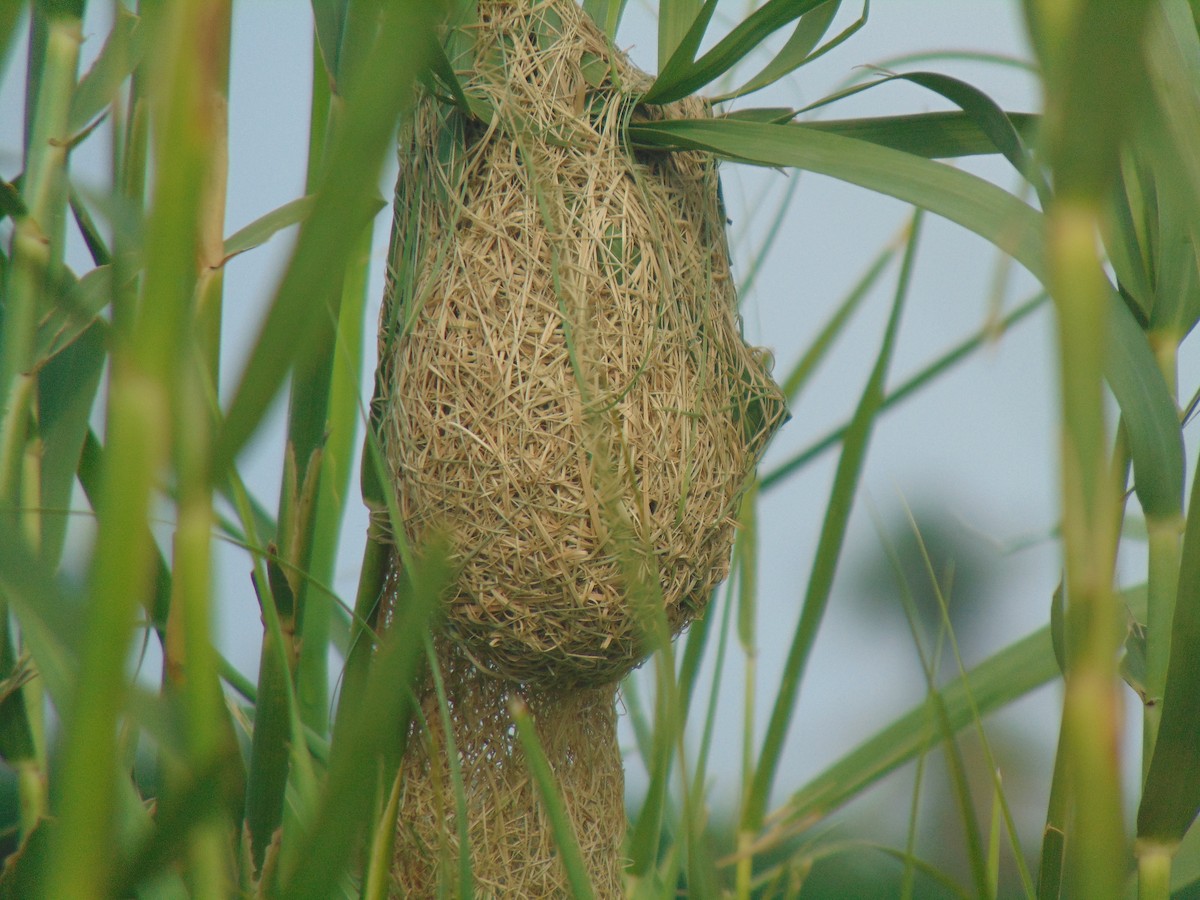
x: 512, y: 847
x: 564, y: 393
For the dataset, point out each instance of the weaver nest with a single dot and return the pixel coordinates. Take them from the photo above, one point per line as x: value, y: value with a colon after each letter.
x: 566, y: 392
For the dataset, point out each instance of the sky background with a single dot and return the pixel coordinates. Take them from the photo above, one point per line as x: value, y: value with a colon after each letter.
x: 978, y: 447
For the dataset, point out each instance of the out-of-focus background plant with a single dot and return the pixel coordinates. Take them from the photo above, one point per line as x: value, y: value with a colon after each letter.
x: 173, y: 725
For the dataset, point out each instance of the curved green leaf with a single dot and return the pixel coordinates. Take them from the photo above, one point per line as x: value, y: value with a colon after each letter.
x: 995, y: 683
x: 266, y: 226
x: 682, y: 76
x: 122, y: 52
x: 799, y: 47
x: 937, y: 135
x: 1171, y: 797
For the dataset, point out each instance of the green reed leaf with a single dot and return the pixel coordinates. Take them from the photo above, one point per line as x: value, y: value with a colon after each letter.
x: 123, y: 51
x: 684, y: 74
x: 681, y: 27
x: 1171, y: 796
x: 829, y: 547
x: 996, y: 682
x: 341, y: 208
x: 606, y: 14
x: 268, y: 225
x: 556, y: 811
x: 801, y: 47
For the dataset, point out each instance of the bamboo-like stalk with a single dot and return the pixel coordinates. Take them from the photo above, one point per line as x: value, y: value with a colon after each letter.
x: 37, y: 254
x: 194, y: 664
x: 1092, y: 704
x: 144, y: 392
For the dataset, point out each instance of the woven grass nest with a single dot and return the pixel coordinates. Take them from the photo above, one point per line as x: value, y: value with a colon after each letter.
x: 566, y: 391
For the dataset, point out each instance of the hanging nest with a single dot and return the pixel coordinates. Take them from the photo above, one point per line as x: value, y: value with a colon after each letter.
x: 566, y: 392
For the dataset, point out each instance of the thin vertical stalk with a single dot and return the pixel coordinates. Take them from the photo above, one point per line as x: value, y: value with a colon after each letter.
x: 141, y: 414
x: 829, y: 547
x: 1084, y: 132
x: 323, y: 409
x: 36, y: 254
x: 1154, y: 873
x: 747, y: 556
x: 1092, y: 703
x: 214, y: 106
x: 1164, y: 535
x: 190, y: 660
x: 312, y: 672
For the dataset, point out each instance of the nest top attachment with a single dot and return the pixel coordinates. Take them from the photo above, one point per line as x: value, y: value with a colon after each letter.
x: 566, y: 393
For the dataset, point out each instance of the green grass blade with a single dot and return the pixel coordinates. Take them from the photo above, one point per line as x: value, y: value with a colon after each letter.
x: 123, y: 51
x: 382, y: 851
x: 1148, y: 410
x: 833, y: 532
x: 466, y: 878
x: 556, y: 811
x: 937, y: 135
x: 1054, y: 835
x: 681, y: 77
x: 977, y: 205
x: 987, y: 114
x: 1171, y: 797
x: 343, y: 204
x: 375, y: 729
x: 700, y: 774
x: 798, y: 377
x: 269, y: 758
x: 329, y: 18
x: 960, y: 786
x: 267, y: 226
x: 606, y: 14
x: 336, y: 459
x: 925, y: 376
x: 67, y: 387
x: 1168, y: 145
x: 799, y: 47
x: 993, y: 684
x: 48, y: 616
x: 1127, y: 243
x: 681, y: 24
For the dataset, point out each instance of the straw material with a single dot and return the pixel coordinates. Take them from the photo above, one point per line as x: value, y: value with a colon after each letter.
x: 566, y: 391
x: 512, y: 848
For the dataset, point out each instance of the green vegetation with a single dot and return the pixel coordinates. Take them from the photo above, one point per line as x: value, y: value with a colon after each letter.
x: 209, y: 785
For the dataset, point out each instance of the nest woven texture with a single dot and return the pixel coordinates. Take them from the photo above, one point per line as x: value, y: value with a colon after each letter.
x: 566, y: 389
x: 512, y: 845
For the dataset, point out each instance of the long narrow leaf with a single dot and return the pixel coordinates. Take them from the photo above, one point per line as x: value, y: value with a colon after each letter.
x: 995, y: 683
x: 1171, y: 797
x: 122, y: 51
x: 829, y: 546
x: 679, y: 78
x: 679, y: 21
x: 556, y: 811
x: 800, y: 47
x: 325, y: 240
x: 937, y: 135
